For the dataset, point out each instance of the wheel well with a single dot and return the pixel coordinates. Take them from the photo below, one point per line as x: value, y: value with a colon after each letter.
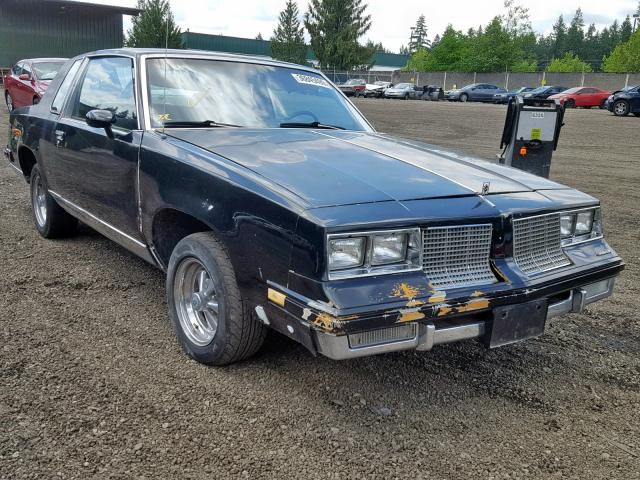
x: 27, y: 160
x: 169, y: 227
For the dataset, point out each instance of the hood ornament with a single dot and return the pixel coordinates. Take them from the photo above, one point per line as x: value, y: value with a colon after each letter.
x: 485, y: 187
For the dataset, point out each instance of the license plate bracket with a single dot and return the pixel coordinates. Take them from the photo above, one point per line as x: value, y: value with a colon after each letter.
x: 514, y: 323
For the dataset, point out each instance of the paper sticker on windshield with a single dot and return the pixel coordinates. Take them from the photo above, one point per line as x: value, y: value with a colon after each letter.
x: 310, y: 80
x: 536, y: 133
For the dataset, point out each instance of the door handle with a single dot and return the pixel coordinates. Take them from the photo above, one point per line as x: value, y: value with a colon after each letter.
x: 60, y: 134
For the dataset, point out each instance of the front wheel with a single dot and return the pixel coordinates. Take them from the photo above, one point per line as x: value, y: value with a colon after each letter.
x: 9, y: 100
x: 621, y: 108
x: 464, y: 97
x: 214, y: 325
x: 50, y: 219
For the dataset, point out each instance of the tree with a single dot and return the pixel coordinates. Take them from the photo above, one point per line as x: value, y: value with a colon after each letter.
x: 155, y: 27
x: 569, y: 63
x: 259, y: 36
x: 335, y: 26
x: 516, y: 21
x: 494, y: 50
x: 625, y: 58
x: 450, y: 52
x: 419, y: 61
x: 418, y: 39
x: 626, y: 29
x: 575, y: 35
x: 287, y: 42
x: 559, y: 35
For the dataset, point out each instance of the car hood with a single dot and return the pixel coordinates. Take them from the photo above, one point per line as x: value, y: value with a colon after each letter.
x: 330, y: 167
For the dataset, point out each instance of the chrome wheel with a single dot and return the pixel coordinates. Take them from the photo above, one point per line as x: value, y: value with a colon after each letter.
x: 39, y: 201
x: 196, y: 303
x: 9, y: 102
x: 621, y: 108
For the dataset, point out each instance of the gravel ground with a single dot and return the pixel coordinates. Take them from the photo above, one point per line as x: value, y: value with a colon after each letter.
x: 93, y: 384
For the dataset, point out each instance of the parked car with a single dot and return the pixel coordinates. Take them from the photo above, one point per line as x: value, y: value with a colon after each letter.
x: 376, y: 89
x: 432, y: 93
x: 28, y: 79
x: 476, y: 92
x: 585, y: 97
x: 625, y: 101
x: 353, y: 87
x: 505, y: 97
x: 286, y: 210
x: 542, y: 93
x: 404, y: 91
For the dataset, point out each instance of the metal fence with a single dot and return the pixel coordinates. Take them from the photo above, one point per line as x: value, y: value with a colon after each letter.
x: 368, y: 75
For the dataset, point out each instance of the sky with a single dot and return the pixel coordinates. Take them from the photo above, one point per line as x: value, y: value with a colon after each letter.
x: 390, y: 20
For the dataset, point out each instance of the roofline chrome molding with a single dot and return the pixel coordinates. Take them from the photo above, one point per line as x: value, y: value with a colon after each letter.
x: 214, y: 56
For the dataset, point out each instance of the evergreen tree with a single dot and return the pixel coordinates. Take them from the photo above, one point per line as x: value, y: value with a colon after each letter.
x: 418, y: 39
x: 559, y: 36
x: 259, y: 36
x: 287, y: 42
x: 154, y: 27
x: 626, y: 29
x: 435, y: 41
x: 575, y: 35
x: 335, y: 27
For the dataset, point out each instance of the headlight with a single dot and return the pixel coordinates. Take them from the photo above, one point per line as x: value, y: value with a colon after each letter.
x: 346, y: 252
x: 373, y: 253
x: 581, y: 225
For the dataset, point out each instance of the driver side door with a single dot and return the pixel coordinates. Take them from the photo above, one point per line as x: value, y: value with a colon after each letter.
x: 93, y: 171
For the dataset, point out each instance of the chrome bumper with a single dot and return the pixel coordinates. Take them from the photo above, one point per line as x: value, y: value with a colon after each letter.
x: 423, y: 336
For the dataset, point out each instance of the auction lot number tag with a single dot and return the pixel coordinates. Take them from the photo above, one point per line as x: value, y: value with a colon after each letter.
x: 310, y: 80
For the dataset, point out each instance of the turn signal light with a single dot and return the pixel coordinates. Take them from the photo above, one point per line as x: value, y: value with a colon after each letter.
x: 17, y: 133
x: 523, y: 151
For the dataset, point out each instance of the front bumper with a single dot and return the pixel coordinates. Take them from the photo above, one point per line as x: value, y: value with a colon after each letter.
x: 423, y: 336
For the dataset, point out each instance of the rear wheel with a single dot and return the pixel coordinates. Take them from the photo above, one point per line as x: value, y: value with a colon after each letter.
x: 214, y: 325
x: 464, y: 97
x: 9, y: 100
x: 50, y: 219
x: 570, y: 104
x: 621, y: 108
x: 406, y: 96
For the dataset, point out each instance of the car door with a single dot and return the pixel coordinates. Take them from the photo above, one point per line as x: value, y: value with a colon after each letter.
x: 584, y: 97
x: 90, y: 169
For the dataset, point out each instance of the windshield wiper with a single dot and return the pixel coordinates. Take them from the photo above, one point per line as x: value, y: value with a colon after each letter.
x: 197, y: 124
x: 310, y: 125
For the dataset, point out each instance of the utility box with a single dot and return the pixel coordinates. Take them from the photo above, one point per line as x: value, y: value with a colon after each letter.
x: 531, y: 133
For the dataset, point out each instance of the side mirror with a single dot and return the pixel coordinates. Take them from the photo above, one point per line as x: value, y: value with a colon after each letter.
x: 101, y: 119
x: 24, y: 76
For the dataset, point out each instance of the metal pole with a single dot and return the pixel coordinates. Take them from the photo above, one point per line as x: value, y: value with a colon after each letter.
x: 444, y: 82
x: 506, y: 82
x: 474, y: 77
x: 582, y: 81
x: 626, y: 81
x: 418, y: 78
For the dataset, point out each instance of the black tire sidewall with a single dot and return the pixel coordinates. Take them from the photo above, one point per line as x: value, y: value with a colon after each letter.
x: 213, y: 352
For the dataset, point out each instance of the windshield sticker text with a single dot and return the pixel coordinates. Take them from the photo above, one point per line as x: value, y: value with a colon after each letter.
x: 310, y: 80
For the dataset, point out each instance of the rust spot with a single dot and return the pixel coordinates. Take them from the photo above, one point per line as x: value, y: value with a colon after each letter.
x: 479, y: 304
x: 276, y: 297
x: 437, y: 297
x: 477, y: 293
x: 410, y: 316
x: 444, y: 310
x: 324, y: 321
x: 414, y: 303
x: 404, y: 290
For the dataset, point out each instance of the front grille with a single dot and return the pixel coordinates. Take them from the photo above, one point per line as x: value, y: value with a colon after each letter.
x: 457, y: 256
x: 537, y: 244
x: 372, y: 338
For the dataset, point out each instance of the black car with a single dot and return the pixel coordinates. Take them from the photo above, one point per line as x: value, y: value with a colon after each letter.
x: 505, y: 97
x: 624, y: 102
x: 286, y: 210
x: 542, y: 93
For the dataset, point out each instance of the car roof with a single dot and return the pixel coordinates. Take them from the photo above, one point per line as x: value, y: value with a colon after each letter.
x: 140, y: 52
x: 39, y: 60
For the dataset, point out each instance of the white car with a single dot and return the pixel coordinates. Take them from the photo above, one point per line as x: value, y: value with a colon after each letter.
x: 376, y: 89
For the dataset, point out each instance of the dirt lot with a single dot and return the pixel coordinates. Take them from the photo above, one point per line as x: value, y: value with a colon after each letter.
x: 93, y: 384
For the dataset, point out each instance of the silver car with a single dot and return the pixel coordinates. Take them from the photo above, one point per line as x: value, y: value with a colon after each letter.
x: 404, y: 91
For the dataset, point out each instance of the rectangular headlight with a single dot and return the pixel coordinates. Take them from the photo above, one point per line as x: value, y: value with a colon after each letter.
x: 346, y: 252
x: 363, y: 254
x: 566, y: 225
x: 581, y: 225
x: 389, y: 248
x: 584, y: 222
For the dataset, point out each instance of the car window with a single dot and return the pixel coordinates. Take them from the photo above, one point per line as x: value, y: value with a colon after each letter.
x: 65, y: 86
x: 47, y: 70
x: 108, y: 85
x: 17, y: 69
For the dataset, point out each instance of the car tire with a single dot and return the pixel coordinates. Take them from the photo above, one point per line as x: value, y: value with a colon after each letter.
x: 406, y: 96
x: 636, y: 114
x: 569, y: 104
x: 50, y: 219
x: 464, y: 97
x: 214, y: 325
x: 9, y: 101
x: 36, y: 100
x: 621, y: 108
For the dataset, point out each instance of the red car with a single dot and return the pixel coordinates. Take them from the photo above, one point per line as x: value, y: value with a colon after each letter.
x: 28, y: 79
x: 585, y: 97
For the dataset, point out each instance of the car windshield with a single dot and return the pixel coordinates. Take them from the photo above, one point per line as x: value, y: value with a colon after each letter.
x: 355, y: 81
x: 194, y: 90
x: 539, y: 90
x: 573, y: 90
x: 47, y: 70
x: 403, y: 85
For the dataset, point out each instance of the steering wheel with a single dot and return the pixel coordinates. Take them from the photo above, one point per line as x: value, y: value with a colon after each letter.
x: 301, y: 113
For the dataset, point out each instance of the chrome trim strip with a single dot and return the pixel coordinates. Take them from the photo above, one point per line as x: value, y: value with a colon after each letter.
x: 98, y: 220
x: 16, y: 168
